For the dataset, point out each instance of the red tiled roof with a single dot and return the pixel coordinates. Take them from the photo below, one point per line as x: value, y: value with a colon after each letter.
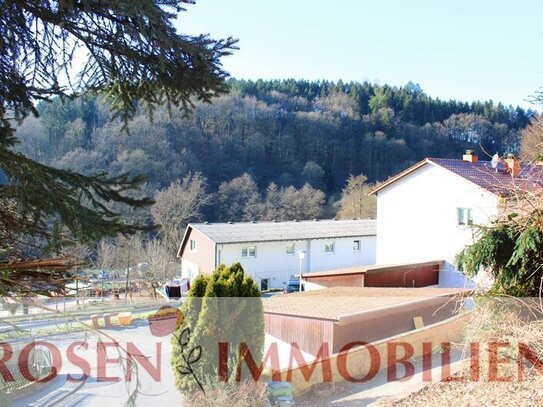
x: 481, y: 173
x: 497, y: 181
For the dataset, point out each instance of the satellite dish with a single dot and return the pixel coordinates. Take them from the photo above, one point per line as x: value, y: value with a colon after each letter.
x: 495, y: 160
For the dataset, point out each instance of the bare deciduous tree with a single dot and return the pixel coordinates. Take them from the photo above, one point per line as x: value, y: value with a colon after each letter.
x: 531, y: 141
x: 291, y: 203
x: 106, y: 255
x: 339, y: 103
x: 78, y: 251
x: 157, y: 259
x: 149, y: 261
x: 178, y: 205
x: 119, y: 254
x: 239, y: 200
x: 355, y: 201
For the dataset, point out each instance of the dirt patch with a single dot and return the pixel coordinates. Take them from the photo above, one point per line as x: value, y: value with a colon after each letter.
x: 525, y: 393
x: 506, y: 376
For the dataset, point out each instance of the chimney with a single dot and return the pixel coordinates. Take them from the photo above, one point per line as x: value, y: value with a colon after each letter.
x: 512, y: 164
x: 470, y: 156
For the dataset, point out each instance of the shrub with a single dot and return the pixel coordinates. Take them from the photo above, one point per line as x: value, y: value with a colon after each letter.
x: 222, y: 308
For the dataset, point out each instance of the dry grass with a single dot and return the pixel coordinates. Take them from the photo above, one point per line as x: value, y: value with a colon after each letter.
x: 247, y: 394
x: 528, y: 393
x: 495, y: 321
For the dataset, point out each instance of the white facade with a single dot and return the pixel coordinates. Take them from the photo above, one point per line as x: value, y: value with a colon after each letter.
x: 269, y: 251
x: 273, y: 263
x: 418, y: 217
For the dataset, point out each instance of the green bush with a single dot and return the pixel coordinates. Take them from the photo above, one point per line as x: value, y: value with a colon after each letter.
x: 512, y: 251
x: 224, y: 307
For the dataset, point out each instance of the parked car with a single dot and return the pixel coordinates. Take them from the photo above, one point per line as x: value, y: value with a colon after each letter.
x: 293, y: 286
x: 280, y: 394
x: 103, y: 275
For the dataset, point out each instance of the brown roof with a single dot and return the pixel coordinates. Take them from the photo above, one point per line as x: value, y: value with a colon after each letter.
x: 333, y: 303
x: 481, y: 173
x: 366, y: 269
x: 334, y: 272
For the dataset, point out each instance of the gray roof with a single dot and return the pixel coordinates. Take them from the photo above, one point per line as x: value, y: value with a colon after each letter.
x: 246, y: 232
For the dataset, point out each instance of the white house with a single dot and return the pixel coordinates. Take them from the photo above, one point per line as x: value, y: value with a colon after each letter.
x: 427, y: 212
x: 269, y: 251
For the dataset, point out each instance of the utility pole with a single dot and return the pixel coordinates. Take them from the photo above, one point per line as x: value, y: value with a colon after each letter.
x: 301, y: 256
x: 127, y: 275
x: 166, y: 256
x: 76, y: 290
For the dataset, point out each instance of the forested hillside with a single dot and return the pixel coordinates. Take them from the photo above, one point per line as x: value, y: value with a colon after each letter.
x: 289, y: 133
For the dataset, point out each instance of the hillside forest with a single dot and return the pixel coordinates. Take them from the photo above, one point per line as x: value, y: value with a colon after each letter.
x: 281, y: 149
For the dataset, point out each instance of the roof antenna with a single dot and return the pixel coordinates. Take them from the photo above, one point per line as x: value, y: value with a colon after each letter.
x: 495, y: 161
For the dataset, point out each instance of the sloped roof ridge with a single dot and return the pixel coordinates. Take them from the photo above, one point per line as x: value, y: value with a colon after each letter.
x: 480, y: 174
x: 243, y: 232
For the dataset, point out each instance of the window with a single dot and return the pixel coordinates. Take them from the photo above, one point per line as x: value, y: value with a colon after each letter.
x: 192, y: 245
x: 465, y: 217
x: 356, y: 245
x: 329, y: 247
x: 249, y: 251
x: 264, y: 284
x: 290, y: 249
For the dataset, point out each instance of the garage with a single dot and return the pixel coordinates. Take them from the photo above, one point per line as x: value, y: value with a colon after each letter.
x: 336, y: 317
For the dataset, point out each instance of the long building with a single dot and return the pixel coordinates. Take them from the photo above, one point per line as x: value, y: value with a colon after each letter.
x: 273, y: 252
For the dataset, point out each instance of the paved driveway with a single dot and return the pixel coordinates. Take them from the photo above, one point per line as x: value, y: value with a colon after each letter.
x: 116, y: 389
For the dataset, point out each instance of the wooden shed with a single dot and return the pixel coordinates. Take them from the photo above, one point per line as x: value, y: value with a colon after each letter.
x: 396, y: 275
x: 403, y: 275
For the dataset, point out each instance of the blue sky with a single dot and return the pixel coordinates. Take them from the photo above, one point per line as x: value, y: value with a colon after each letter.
x: 466, y: 50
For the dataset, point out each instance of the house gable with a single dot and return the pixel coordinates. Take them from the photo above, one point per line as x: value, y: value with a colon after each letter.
x: 497, y: 181
x: 418, y: 215
x: 198, y: 251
